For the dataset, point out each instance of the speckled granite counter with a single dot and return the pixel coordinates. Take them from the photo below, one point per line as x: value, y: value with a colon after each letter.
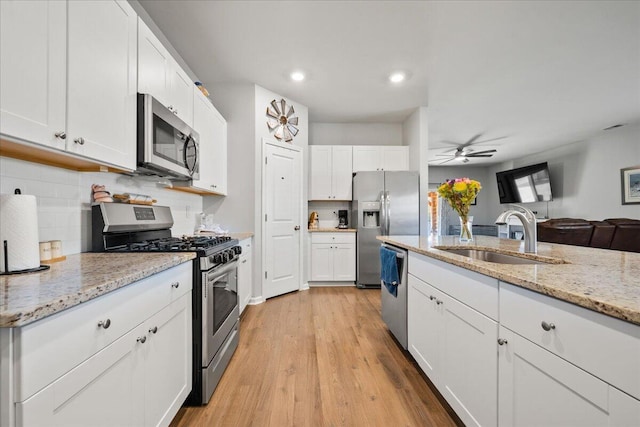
x: 332, y: 230
x: 598, y: 279
x: 29, y: 297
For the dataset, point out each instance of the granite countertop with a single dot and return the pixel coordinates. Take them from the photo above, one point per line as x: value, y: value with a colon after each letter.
x: 332, y: 230
x: 25, y: 298
x: 602, y: 280
x: 240, y: 235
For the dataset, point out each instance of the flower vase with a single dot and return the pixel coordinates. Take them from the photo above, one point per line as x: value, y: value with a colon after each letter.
x: 466, y: 229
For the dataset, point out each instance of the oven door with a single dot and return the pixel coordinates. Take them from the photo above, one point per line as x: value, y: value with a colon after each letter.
x: 220, y: 310
x: 166, y: 144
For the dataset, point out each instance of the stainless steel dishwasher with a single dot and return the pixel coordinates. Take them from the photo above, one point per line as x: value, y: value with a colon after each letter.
x: 394, y: 308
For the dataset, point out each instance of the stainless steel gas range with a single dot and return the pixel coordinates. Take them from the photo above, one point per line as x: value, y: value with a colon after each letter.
x: 119, y: 227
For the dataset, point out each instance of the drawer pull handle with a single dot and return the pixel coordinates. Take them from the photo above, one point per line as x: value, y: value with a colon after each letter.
x: 153, y: 330
x: 547, y: 326
x: 502, y: 341
x: 175, y: 285
x: 104, y: 324
x: 142, y: 339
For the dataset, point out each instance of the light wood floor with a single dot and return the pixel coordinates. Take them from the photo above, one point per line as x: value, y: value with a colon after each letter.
x: 321, y: 357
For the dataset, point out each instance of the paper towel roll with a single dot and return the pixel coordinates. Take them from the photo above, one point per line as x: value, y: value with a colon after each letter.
x: 19, y: 227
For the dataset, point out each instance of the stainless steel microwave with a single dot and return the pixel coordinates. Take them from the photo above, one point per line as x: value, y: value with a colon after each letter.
x: 167, y: 146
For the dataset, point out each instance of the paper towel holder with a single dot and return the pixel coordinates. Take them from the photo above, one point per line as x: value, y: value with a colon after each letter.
x: 6, y: 257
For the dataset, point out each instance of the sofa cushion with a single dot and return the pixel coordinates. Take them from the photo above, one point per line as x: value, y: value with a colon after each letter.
x: 626, y: 236
x: 602, y: 234
x: 567, y: 231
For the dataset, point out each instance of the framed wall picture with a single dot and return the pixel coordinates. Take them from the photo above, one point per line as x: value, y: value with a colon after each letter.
x: 475, y: 201
x: 630, y: 185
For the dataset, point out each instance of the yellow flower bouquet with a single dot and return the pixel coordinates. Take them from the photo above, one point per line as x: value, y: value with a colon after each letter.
x: 460, y: 192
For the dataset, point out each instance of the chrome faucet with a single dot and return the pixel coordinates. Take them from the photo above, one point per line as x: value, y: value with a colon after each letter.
x: 528, y: 220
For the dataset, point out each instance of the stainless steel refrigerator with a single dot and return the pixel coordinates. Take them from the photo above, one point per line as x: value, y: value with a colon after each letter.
x: 384, y: 203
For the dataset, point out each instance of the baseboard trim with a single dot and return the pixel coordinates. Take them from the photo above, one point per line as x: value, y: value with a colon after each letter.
x: 256, y: 300
x: 330, y: 284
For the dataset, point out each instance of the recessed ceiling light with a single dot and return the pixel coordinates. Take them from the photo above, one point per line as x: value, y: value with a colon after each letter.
x: 397, y: 77
x: 297, y: 76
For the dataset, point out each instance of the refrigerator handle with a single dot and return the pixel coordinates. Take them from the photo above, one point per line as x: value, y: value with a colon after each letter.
x: 387, y: 213
x: 383, y: 219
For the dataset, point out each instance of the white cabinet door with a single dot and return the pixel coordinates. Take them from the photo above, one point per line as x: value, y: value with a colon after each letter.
x: 320, y: 179
x: 469, y: 362
x: 341, y: 172
x: 219, y: 152
x: 424, y: 325
x: 322, y: 261
x: 395, y: 158
x: 344, y: 262
x: 366, y: 158
x: 104, y: 391
x: 153, y: 65
x: 181, y: 92
x: 212, y: 129
x: 167, y: 362
x: 538, y: 388
x: 245, y: 274
x: 33, y: 68
x: 102, y: 77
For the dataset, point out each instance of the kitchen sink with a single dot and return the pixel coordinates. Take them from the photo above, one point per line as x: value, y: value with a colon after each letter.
x: 498, y: 258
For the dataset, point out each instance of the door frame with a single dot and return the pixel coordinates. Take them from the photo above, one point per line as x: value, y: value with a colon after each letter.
x: 263, y: 211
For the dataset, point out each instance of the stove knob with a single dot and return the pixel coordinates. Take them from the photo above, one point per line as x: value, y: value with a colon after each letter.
x: 226, y: 238
x: 218, y: 259
x: 230, y: 254
x: 237, y: 250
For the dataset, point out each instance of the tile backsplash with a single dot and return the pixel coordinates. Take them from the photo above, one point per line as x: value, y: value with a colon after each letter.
x: 64, y: 199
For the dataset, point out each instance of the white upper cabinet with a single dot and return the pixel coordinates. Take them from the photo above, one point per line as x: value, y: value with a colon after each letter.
x: 160, y: 75
x: 69, y: 77
x: 212, y: 128
x: 101, y: 95
x: 33, y: 71
x: 330, y: 172
x: 378, y: 158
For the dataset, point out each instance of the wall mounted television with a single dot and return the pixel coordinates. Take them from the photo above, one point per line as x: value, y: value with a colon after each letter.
x: 528, y: 184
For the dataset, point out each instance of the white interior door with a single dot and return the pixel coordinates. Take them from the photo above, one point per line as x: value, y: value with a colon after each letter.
x: 282, y: 207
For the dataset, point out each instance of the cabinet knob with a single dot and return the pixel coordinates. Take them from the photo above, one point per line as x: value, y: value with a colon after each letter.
x: 153, y: 330
x: 547, y: 326
x: 431, y: 297
x: 142, y: 339
x: 61, y: 135
x: 104, y: 324
x: 502, y: 341
x: 297, y: 227
x: 244, y: 260
x: 170, y: 108
x: 175, y: 285
x: 175, y: 111
x: 79, y: 141
x: 438, y: 302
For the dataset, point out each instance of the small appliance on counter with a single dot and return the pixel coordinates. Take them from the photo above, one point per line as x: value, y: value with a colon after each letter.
x: 342, y: 219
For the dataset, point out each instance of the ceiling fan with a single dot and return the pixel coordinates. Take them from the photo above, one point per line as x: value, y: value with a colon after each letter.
x: 464, y: 153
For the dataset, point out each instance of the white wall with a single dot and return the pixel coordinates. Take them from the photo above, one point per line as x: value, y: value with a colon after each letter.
x: 355, y: 134
x: 64, y: 200
x: 585, y: 176
x: 415, y: 134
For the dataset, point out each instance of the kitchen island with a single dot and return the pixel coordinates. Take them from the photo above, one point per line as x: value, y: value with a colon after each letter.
x: 602, y: 280
x: 500, y: 341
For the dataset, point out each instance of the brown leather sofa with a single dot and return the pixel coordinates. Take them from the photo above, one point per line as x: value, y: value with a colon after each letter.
x: 622, y: 234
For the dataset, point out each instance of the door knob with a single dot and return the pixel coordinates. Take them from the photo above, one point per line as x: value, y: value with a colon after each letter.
x: 297, y: 227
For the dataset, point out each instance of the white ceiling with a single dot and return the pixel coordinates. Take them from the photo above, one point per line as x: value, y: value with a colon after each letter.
x: 536, y: 74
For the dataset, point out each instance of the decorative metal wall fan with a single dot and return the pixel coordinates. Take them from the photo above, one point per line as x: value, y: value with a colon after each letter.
x: 464, y: 153
x: 282, y: 124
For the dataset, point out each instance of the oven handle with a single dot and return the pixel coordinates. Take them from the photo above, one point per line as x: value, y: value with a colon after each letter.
x: 222, y: 271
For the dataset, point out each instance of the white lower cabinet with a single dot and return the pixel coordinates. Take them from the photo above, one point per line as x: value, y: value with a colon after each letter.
x: 245, y: 273
x: 139, y: 378
x: 546, y: 363
x: 538, y: 388
x: 333, y: 256
x: 455, y: 346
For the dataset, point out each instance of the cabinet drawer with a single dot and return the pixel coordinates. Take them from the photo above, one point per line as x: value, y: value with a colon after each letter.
x: 473, y: 289
x: 52, y: 346
x: 601, y: 345
x: 333, y: 237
